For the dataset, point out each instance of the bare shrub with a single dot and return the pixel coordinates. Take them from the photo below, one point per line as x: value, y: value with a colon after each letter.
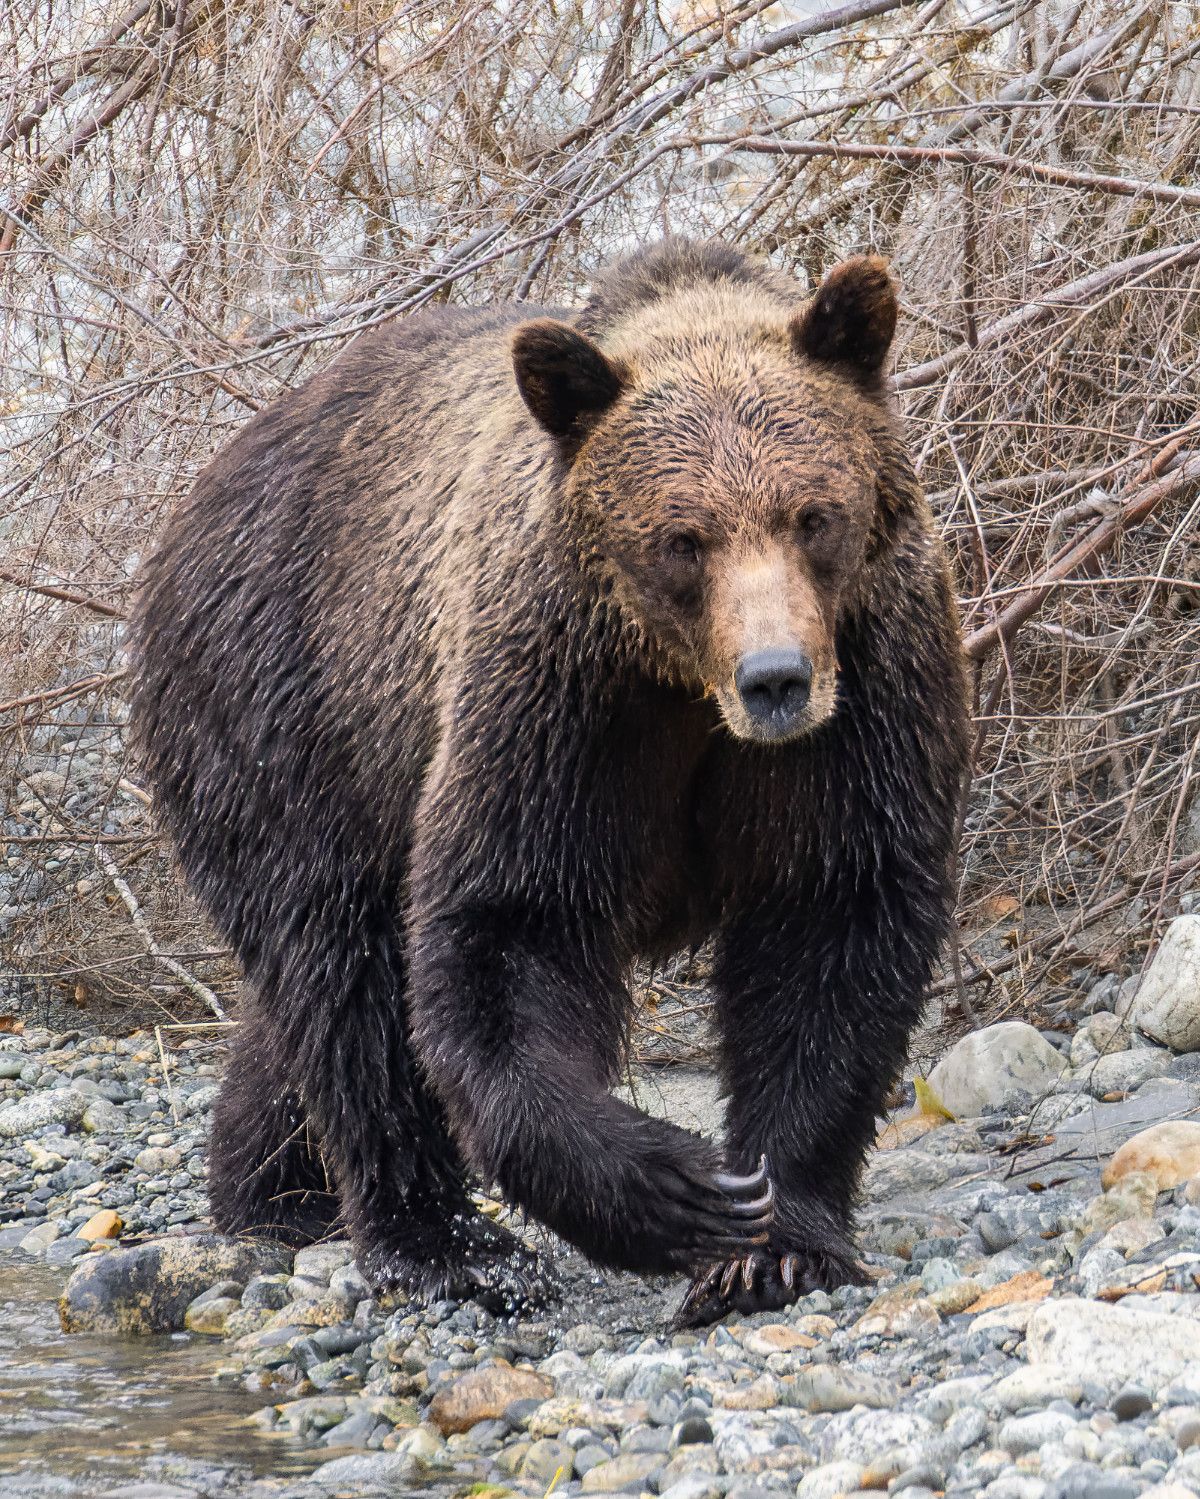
x: 204, y: 201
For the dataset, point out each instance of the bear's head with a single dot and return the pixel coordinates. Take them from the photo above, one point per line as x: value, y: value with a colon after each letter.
x: 723, y: 469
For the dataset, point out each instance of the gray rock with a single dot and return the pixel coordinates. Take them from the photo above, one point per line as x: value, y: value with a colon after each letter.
x: 1167, y: 1004
x: 367, y: 1472
x: 546, y: 1460
x: 1131, y: 1401
x: 319, y: 1261
x: 1125, y: 1071
x: 696, y: 1486
x: 1021, y: 1434
x: 104, y: 1118
x: 40, y: 1110
x: 994, y: 1068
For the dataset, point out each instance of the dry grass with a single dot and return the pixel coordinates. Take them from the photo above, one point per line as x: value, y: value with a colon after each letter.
x: 206, y: 198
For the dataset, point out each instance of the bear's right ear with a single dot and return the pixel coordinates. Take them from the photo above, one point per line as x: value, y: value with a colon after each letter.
x: 851, y: 319
x: 564, y: 379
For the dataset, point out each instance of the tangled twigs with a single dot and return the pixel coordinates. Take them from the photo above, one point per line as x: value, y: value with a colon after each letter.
x: 204, y: 202
x: 1145, y: 499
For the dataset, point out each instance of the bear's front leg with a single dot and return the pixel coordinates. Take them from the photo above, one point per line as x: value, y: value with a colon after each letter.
x: 520, y: 1028
x: 815, y: 1002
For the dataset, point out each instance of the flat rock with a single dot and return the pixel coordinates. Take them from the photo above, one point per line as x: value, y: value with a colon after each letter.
x: 1167, y: 1003
x: 366, y: 1471
x: 148, y: 1287
x: 1112, y: 1345
x: 994, y: 1068
x: 776, y: 1337
x: 484, y: 1395
x: 1169, y: 1152
x: 832, y: 1387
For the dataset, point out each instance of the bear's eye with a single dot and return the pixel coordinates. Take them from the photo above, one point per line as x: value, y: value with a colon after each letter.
x: 814, y: 524
x: 683, y: 547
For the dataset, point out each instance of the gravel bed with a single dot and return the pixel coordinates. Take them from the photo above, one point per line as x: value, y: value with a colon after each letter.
x: 1027, y: 1335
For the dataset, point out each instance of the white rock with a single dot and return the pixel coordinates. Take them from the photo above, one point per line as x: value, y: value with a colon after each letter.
x: 1113, y: 1345
x: 830, y: 1480
x: 861, y: 1435
x: 1034, y: 1386
x: 994, y: 1067
x: 1167, y: 1004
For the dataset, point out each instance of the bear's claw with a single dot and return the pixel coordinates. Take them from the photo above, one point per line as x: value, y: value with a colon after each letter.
x: 762, y: 1281
x: 717, y: 1214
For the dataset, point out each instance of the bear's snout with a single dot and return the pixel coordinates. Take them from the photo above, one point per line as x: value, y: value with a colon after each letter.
x: 774, y: 687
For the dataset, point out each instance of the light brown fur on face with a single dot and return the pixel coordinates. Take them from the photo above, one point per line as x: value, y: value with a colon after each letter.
x: 730, y: 493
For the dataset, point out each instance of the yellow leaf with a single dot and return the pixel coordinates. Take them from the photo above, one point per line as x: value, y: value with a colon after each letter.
x: 928, y: 1102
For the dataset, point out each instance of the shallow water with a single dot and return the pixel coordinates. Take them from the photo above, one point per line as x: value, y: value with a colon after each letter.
x: 82, y: 1415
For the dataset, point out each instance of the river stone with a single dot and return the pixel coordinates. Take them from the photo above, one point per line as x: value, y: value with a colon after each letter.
x: 1167, y: 1003
x: 102, y: 1225
x: 58, y: 1106
x: 148, y: 1287
x: 1169, y: 1152
x: 210, y: 1315
x: 994, y: 1068
x: 1112, y: 1345
x: 485, y: 1394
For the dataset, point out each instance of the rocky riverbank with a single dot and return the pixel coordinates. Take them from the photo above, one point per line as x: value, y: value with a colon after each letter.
x: 1032, y: 1332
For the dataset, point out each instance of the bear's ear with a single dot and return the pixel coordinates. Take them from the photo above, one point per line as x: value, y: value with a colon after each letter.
x: 851, y: 319
x: 564, y: 379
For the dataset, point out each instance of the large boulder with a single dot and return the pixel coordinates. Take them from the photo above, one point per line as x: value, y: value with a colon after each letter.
x: 149, y: 1287
x: 1166, y: 1006
x: 1001, y: 1066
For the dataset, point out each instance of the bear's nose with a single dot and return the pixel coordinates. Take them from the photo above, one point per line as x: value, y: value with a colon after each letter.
x: 774, y: 686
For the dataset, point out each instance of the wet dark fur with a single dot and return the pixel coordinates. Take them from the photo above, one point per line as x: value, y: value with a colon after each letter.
x: 439, y: 793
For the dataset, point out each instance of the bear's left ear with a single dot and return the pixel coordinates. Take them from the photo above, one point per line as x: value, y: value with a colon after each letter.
x: 564, y: 379
x: 851, y: 319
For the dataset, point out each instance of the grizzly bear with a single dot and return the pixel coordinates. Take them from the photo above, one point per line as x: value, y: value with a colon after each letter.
x: 522, y: 644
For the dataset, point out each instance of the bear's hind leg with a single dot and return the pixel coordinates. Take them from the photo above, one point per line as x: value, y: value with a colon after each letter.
x: 265, y: 1173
